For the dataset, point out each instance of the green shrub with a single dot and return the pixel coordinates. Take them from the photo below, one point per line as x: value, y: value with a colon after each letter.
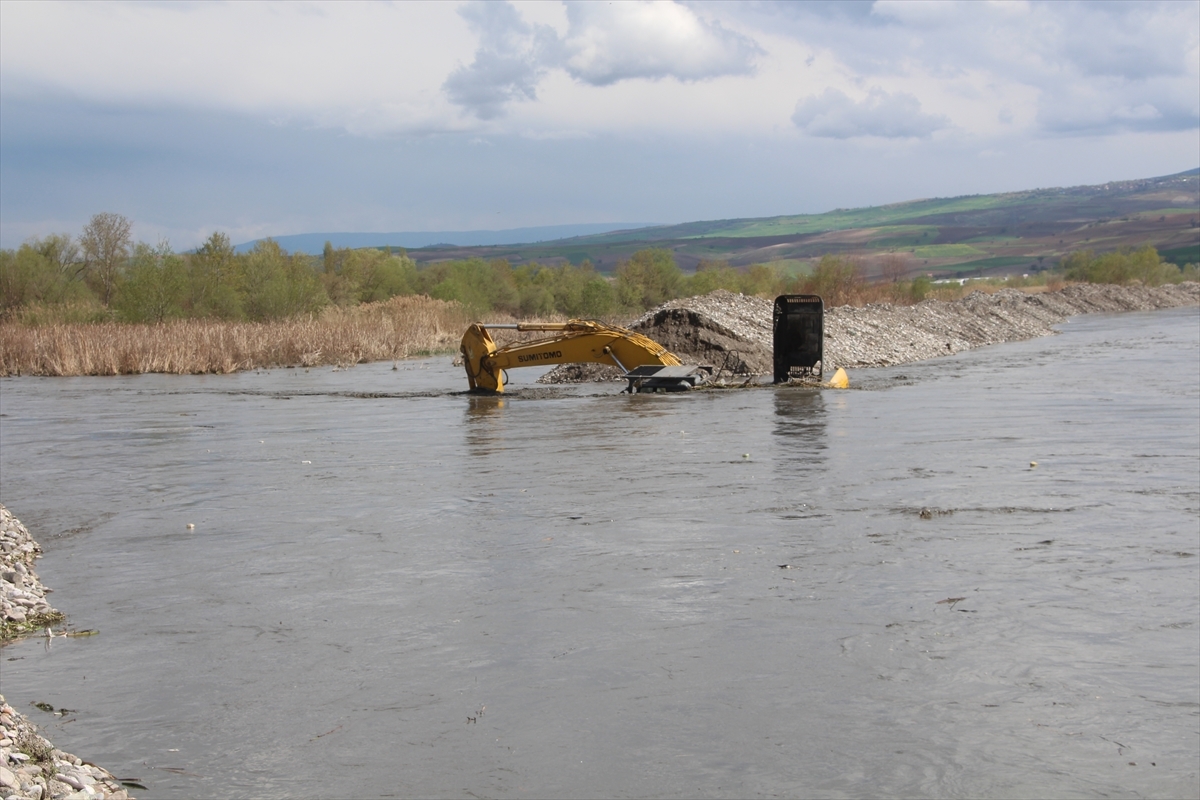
x: 41, y: 271
x: 648, y: 278
x: 275, y: 285
x: 1120, y: 266
x: 154, y: 287
x: 836, y: 279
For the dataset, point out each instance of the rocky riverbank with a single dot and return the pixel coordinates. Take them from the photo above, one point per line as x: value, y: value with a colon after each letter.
x: 23, y: 605
x: 733, y: 332
x: 884, y: 335
x: 31, y: 768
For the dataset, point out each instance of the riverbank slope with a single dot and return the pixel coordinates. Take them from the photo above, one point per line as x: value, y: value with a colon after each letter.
x: 733, y: 331
x: 31, y: 767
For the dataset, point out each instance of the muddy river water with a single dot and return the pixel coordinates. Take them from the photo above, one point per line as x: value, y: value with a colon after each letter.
x: 393, y: 589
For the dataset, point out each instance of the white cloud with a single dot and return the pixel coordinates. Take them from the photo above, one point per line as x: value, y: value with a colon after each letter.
x: 612, y: 42
x: 1034, y: 57
x: 372, y: 68
x: 603, y: 44
x: 358, y: 65
x: 835, y: 115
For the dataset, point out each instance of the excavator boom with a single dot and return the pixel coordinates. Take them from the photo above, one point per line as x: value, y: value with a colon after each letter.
x: 574, y: 342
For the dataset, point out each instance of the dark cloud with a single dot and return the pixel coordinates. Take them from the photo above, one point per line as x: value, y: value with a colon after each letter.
x: 1148, y: 108
x: 506, y: 65
x: 834, y: 115
x: 1133, y: 41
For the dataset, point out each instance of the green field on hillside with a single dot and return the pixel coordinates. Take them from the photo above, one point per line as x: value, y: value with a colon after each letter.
x: 991, y: 232
x: 1188, y: 254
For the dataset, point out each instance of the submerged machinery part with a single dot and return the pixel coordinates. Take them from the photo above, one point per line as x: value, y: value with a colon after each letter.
x: 666, y: 379
x: 798, y: 328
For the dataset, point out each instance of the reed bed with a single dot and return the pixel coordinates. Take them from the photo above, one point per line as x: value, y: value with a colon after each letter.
x: 401, y: 327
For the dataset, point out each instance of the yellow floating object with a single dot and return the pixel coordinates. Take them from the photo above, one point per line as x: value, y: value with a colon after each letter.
x: 840, y: 380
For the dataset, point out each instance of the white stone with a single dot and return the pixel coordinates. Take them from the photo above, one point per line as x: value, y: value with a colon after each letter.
x: 71, y: 780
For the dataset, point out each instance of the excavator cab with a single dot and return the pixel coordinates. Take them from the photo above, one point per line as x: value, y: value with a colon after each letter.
x: 799, y: 336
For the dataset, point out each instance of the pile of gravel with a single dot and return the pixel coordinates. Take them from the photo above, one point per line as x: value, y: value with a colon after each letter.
x: 732, y: 332
x: 882, y: 335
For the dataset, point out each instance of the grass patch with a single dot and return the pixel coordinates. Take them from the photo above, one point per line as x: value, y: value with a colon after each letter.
x: 839, y: 219
x: 996, y: 261
x: 902, y: 236
x: 947, y: 251
x: 10, y: 630
x: 793, y: 267
x: 1168, y: 212
x: 991, y: 239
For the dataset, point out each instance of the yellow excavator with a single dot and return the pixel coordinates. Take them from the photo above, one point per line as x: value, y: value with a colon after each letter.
x: 648, y: 366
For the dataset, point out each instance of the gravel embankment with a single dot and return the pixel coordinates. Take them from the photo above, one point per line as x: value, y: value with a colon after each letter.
x: 31, y: 768
x: 733, y: 331
x: 23, y: 605
x: 883, y: 335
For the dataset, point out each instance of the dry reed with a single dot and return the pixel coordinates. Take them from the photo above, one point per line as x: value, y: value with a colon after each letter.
x: 398, y: 328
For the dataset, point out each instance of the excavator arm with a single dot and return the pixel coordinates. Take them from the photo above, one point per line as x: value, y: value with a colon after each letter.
x: 574, y: 342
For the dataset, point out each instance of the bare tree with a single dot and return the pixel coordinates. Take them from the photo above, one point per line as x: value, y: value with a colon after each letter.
x: 894, y: 267
x: 62, y: 254
x: 105, y: 242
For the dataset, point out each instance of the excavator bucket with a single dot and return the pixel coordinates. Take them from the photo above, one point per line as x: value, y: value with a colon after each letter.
x: 477, y: 346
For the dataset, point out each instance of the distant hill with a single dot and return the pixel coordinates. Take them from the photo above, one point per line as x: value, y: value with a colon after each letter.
x: 314, y: 243
x: 992, y: 234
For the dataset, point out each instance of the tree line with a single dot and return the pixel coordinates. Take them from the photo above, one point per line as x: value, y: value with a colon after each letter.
x: 103, y: 274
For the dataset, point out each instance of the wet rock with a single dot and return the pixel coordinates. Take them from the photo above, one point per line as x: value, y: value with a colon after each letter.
x: 23, y: 606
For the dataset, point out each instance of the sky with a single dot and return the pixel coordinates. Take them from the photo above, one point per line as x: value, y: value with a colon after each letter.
x: 266, y: 119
